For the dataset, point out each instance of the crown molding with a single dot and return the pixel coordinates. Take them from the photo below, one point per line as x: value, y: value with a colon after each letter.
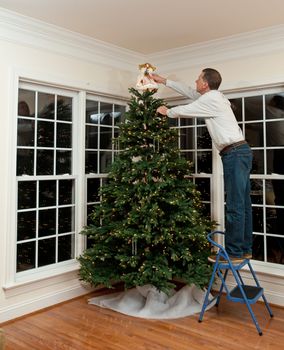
x: 259, y: 42
x: 25, y: 30
x: 28, y: 31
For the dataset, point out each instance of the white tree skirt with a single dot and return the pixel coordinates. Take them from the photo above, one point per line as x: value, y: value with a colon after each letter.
x: 148, y: 302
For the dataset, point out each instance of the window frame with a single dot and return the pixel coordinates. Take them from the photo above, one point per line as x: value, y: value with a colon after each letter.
x: 216, y: 178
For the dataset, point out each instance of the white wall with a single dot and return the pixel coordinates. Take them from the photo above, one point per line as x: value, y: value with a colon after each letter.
x: 59, y: 66
x: 53, y: 56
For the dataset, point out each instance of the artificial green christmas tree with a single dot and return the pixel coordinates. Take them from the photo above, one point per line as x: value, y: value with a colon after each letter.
x: 148, y: 228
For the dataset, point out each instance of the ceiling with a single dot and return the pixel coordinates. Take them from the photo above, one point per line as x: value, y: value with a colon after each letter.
x: 150, y: 26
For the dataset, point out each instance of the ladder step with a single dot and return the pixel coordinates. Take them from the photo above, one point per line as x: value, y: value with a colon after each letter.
x: 253, y: 293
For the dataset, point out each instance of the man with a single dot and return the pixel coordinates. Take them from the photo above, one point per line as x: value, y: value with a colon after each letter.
x: 236, y: 154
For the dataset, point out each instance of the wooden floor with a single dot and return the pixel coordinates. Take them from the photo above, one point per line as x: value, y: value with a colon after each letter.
x: 77, y: 325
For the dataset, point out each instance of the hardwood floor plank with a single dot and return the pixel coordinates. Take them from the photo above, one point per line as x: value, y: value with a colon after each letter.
x: 76, y: 325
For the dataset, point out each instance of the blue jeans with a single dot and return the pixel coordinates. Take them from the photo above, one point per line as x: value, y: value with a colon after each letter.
x: 237, y: 165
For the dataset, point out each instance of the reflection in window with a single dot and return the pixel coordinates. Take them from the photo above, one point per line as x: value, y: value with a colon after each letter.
x: 186, y: 138
x: 236, y: 105
x: 204, y: 140
x: 26, y: 225
x: 102, y: 119
x: 254, y: 134
x: 25, y: 256
x: 253, y: 108
x: 263, y: 125
x: 46, y: 207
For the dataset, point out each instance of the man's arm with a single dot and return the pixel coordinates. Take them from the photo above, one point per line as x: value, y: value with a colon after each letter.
x: 201, y: 108
x: 183, y: 89
x: 178, y: 87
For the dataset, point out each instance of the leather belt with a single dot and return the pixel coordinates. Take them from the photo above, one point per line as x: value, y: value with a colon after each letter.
x: 232, y: 146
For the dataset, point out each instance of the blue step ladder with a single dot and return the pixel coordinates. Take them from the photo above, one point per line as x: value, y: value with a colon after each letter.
x: 241, y: 293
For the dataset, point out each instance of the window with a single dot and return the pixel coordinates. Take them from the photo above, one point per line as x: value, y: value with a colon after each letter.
x: 261, y: 116
x: 53, y: 142
x: 196, y: 146
x: 45, y: 177
x: 102, y: 119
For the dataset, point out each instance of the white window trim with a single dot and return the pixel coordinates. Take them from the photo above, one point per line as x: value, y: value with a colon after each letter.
x: 217, y: 196
x: 16, y: 281
x: 13, y: 279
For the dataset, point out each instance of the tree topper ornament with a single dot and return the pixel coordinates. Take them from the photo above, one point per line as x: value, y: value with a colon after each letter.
x: 145, y: 80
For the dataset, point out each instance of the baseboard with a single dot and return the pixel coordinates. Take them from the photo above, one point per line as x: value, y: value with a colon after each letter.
x: 26, y: 307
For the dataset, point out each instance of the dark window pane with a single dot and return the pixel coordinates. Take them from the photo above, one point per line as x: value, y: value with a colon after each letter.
x: 64, y: 135
x: 271, y: 220
x: 105, y: 161
x: 44, y: 162
x: 25, y: 162
x: 188, y: 156
x: 257, y: 214
x: 186, y: 121
x: 26, y: 132
x: 236, y: 105
x: 65, y: 220
x: 25, y: 256
x: 66, y: 192
x: 66, y: 248
x: 46, y: 105
x: 93, y: 186
x: 106, y: 113
x: 203, y: 186
x: 26, y: 225
x: 275, y: 250
x: 258, y: 162
x: 204, y: 162
x: 186, y: 138
x: 203, y: 138
x: 275, y: 133
x: 91, y: 162
x: 270, y: 161
x: 92, y: 137
x: 253, y: 108
x: 64, y: 108
x: 258, y: 248
x: 274, y: 106
x: 45, y: 134
x: 200, y: 121
x: 256, y: 191
x: 275, y: 161
x: 119, y: 112
x: 63, y: 162
x: 269, y: 192
x: 46, y: 252
x: 92, y: 111
x: 90, y: 209
x: 105, y: 138
x: 278, y: 189
x: 26, y: 194
x: 173, y: 122
x: 206, y: 210
x: 254, y: 134
x: 46, y: 222
x: 26, y: 104
x: 47, y: 193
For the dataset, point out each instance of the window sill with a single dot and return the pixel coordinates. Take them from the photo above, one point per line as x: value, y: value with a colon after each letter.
x: 262, y: 268
x: 40, y: 276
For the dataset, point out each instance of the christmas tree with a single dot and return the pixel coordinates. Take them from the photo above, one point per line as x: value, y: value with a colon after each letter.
x: 148, y: 228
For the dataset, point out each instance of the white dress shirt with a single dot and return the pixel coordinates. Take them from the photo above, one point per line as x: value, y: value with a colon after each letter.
x: 214, y: 107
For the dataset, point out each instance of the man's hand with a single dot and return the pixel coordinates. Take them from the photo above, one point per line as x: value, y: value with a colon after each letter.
x: 162, y: 110
x: 158, y: 79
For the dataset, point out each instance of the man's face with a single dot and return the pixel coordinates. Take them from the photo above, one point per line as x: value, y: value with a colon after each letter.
x: 201, y: 84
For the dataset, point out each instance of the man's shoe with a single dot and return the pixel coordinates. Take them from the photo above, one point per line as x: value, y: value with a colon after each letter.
x: 247, y: 256
x: 234, y: 259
